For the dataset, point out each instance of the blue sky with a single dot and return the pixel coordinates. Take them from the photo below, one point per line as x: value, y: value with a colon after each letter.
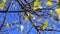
x: 14, y: 16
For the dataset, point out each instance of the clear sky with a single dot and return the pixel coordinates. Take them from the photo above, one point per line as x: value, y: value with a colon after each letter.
x: 27, y: 25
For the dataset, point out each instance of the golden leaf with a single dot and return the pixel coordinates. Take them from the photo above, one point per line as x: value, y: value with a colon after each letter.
x: 26, y: 17
x: 4, y: 1
x: 3, y: 5
x: 58, y: 3
x: 37, y: 5
x: 39, y: 19
x: 49, y: 3
x: 57, y: 11
x: 8, y: 25
x: 43, y: 26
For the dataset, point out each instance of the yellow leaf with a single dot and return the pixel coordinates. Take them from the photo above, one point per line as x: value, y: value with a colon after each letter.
x: 58, y: 3
x: 2, y: 5
x: 8, y: 25
x: 37, y: 5
x: 39, y: 19
x: 49, y: 0
x: 49, y: 3
x: 4, y: 1
x: 57, y: 11
x: 57, y: 18
x: 43, y: 26
x: 31, y: 16
x: 26, y: 17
